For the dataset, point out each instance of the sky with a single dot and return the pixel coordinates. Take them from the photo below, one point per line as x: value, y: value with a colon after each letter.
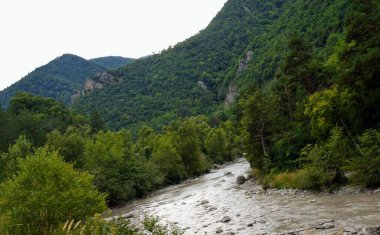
x: 34, y: 32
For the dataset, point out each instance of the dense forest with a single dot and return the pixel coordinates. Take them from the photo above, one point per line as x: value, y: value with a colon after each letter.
x: 112, y: 62
x: 315, y: 124
x: 61, y: 78
x: 306, y: 116
x: 193, y: 77
x: 62, y: 158
x: 186, y: 80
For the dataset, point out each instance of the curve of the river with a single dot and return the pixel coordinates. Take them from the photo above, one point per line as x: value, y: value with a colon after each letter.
x: 199, y: 205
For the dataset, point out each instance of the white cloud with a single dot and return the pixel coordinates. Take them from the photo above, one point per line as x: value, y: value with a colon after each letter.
x: 34, y: 32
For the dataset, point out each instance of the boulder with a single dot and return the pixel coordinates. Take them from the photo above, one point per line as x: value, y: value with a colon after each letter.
x: 219, y: 230
x: 128, y: 216
x: 204, y: 202
x: 225, y: 219
x: 240, y: 179
x: 350, y: 230
x: 213, y: 208
x: 373, y: 230
x: 325, y: 226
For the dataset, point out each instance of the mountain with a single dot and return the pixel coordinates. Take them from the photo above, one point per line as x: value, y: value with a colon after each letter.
x: 59, y: 79
x: 112, y: 62
x: 245, y: 42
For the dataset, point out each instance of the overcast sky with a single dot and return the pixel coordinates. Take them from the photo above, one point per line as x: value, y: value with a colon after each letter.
x: 34, y: 32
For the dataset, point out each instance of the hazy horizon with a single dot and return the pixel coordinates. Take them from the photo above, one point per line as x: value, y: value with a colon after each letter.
x: 39, y: 31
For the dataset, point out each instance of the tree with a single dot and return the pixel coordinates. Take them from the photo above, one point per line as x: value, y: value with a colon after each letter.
x: 145, y: 141
x: 217, y: 146
x: 46, y: 192
x: 9, y: 161
x: 365, y: 166
x: 358, y: 59
x: 332, y: 107
x: 188, y: 146
x: 96, y: 122
x: 108, y: 156
x: 70, y: 145
x: 329, y: 158
x: 256, y: 121
x: 168, y: 160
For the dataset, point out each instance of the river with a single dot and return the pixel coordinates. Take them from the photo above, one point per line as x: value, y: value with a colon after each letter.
x: 198, y: 206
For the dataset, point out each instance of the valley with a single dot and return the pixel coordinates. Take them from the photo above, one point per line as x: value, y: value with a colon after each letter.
x: 267, y: 121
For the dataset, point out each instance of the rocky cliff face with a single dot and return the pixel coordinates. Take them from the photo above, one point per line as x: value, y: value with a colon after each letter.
x: 96, y: 82
x: 233, y: 90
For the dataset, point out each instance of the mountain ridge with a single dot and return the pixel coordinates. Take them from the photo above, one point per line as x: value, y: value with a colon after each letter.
x: 166, y: 86
x: 61, y: 78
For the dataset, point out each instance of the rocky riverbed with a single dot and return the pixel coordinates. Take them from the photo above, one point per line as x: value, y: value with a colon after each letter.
x: 224, y: 202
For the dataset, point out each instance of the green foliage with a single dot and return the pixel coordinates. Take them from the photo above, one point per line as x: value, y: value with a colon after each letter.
x: 70, y: 145
x: 217, y: 146
x: 112, y: 62
x: 145, y: 142
x: 302, y: 179
x: 152, y: 224
x: 45, y: 192
x: 108, y: 156
x: 329, y: 108
x: 328, y: 159
x: 365, y: 166
x: 59, y: 79
x: 168, y: 160
x: 166, y: 86
x: 359, y: 60
x: 95, y: 226
x: 9, y: 161
x: 256, y: 121
x: 9, y: 130
x: 96, y: 122
x: 302, y: 120
x: 34, y: 117
x: 188, y: 145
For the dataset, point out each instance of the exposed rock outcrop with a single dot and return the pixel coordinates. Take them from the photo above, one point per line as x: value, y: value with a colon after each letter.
x: 233, y: 90
x: 232, y: 93
x: 96, y: 82
x: 244, y: 62
x: 202, y: 85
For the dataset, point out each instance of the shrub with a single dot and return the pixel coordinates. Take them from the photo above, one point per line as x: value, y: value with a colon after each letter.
x: 365, y: 166
x: 46, y: 192
x: 328, y: 159
x: 301, y: 179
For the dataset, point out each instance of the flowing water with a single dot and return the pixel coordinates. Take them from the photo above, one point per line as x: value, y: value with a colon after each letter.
x: 198, y: 206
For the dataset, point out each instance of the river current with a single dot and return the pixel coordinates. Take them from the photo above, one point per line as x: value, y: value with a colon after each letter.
x: 199, y: 205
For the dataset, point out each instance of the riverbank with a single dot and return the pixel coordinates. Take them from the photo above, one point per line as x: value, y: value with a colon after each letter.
x: 215, y: 203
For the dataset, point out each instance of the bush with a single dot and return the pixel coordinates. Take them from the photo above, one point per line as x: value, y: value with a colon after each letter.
x: 301, y: 179
x: 366, y: 166
x: 328, y: 159
x: 96, y: 226
x: 46, y: 192
x: 152, y: 225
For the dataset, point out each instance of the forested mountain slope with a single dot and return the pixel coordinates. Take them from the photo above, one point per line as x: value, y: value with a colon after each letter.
x: 193, y: 77
x: 112, y: 62
x: 59, y: 79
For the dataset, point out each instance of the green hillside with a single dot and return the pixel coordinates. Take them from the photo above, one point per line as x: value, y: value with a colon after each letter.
x: 193, y: 77
x: 58, y: 79
x: 112, y: 62
x: 184, y: 80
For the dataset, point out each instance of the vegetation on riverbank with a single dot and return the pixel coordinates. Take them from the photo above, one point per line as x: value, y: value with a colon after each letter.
x: 316, y: 125
x: 64, y: 166
x: 309, y: 118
